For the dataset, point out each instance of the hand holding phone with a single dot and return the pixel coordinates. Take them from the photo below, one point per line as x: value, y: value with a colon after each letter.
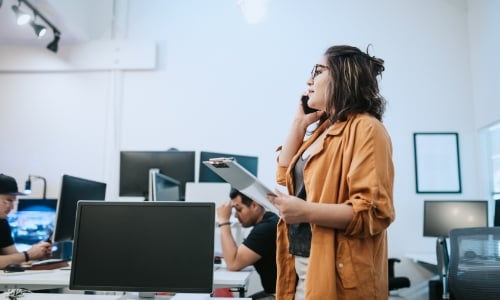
x: 305, y: 107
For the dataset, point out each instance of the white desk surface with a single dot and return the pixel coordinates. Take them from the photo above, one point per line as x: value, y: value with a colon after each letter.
x: 35, y: 280
x: 423, y: 257
x: 59, y: 278
x: 225, y: 278
x: 48, y: 296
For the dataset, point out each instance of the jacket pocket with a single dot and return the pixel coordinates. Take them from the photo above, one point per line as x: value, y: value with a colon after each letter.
x: 344, y: 265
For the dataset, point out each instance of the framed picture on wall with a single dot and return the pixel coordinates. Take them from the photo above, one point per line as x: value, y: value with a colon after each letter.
x: 437, y: 162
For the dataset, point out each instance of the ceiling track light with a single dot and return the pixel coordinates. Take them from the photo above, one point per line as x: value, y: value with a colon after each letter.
x: 22, y: 18
x: 53, y: 46
x: 40, y: 30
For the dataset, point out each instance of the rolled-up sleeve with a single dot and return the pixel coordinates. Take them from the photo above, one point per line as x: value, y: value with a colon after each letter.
x: 370, y: 180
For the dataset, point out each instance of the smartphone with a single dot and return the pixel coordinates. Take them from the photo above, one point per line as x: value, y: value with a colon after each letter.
x: 307, y: 109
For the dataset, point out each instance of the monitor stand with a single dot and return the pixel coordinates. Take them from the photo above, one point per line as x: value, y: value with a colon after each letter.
x: 151, y: 184
x: 442, y: 264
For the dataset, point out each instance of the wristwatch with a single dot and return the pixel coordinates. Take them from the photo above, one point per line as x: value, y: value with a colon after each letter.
x: 223, y: 224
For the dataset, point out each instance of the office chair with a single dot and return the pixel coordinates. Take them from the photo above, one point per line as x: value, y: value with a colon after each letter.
x: 396, y: 283
x: 474, y: 270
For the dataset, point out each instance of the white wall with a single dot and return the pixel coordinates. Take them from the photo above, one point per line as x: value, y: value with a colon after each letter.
x: 53, y: 124
x: 224, y: 85
x: 484, y: 27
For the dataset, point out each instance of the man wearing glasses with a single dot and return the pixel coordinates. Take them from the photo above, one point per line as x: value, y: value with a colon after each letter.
x: 8, y: 251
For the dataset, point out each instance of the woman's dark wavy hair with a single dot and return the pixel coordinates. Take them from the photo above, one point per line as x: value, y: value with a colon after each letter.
x: 353, y: 86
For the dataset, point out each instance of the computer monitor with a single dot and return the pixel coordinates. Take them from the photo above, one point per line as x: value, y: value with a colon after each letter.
x: 163, y: 187
x: 74, y: 189
x: 144, y: 247
x: 206, y: 175
x: 32, y: 222
x: 441, y: 216
x: 135, y: 166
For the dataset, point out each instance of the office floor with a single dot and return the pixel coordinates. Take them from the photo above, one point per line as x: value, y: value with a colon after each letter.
x: 417, y: 292
x: 416, y: 297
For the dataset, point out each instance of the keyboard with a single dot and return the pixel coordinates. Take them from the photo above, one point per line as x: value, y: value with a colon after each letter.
x: 47, y: 261
x: 49, y: 264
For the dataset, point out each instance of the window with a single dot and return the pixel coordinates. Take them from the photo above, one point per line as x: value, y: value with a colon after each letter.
x: 493, y: 154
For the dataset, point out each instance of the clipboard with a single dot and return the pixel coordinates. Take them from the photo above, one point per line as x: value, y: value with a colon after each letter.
x: 242, y: 180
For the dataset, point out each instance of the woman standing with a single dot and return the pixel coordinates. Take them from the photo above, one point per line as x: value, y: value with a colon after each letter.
x: 333, y: 245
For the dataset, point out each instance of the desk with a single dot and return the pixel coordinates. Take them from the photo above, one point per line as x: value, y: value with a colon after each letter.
x: 36, y: 296
x: 59, y: 278
x: 427, y: 260
x: 35, y: 280
x: 423, y: 257
x: 228, y: 279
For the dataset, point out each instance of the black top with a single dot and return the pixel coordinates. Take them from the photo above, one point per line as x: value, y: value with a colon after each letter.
x: 299, y: 235
x: 5, y: 234
x: 262, y: 240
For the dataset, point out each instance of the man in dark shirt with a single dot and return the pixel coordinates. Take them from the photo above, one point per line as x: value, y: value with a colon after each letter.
x: 8, y: 251
x: 258, y: 248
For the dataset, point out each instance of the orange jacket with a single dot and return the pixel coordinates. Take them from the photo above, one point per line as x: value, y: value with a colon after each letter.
x: 354, y: 166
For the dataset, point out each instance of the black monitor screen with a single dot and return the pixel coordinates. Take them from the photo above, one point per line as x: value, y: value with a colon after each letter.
x: 135, y: 166
x: 442, y: 216
x: 74, y: 189
x: 32, y: 222
x: 206, y: 175
x: 144, y: 247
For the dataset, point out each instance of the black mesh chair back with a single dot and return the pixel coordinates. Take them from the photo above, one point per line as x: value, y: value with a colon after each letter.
x: 474, y: 270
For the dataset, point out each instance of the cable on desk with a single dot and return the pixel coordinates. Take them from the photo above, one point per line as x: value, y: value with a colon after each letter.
x: 13, y: 294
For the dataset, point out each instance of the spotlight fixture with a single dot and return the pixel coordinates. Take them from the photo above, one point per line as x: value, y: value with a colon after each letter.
x: 27, y: 186
x: 53, y: 46
x: 21, y: 16
x: 40, y: 30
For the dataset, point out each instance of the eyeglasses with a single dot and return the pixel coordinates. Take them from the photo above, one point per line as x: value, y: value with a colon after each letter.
x: 315, y: 71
